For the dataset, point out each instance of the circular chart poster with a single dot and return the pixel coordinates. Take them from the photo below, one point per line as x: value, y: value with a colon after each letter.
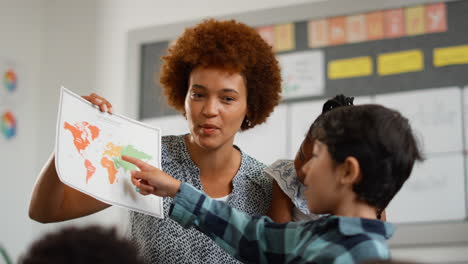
x: 8, y: 124
x: 10, y: 80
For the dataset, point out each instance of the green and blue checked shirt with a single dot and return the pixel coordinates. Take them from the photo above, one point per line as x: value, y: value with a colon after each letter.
x: 330, y: 239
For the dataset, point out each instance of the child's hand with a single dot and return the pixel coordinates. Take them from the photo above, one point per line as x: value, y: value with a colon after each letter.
x: 151, y: 180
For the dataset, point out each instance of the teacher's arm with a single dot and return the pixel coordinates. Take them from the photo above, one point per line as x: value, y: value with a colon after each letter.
x: 53, y: 201
x: 281, y: 207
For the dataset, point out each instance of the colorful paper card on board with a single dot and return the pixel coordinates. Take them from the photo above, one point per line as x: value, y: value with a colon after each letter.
x: 284, y: 37
x: 267, y: 33
x: 415, y: 20
x: 349, y: 68
x: 356, y: 28
x: 337, y: 31
x: 400, y: 62
x: 394, y: 20
x: 318, y: 33
x: 375, y: 25
x: 436, y: 18
x: 454, y: 55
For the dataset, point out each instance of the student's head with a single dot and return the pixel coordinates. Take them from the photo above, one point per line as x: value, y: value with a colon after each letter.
x: 223, y: 77
x: 366, y: 150
x: 82, y: 246
x: 305, y: 150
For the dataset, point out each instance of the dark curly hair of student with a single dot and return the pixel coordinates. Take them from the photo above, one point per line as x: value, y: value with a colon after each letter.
x: 231, y: 46
x: 74, y: 245
x: 380, y: 139
x: 337, y: 101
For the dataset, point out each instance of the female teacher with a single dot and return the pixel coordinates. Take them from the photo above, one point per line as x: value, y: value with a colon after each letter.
x: 223, y: 78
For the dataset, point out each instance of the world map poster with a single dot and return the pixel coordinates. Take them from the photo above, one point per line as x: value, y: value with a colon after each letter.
x: 89, y: 149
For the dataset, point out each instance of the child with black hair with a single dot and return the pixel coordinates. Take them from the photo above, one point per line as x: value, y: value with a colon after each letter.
x: 82, y: 245
x: 288, y: 202
x: 360, y: 156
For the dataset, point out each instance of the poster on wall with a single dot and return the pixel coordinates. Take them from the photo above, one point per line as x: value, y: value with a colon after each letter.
x: 302, y: 73
x: 9, y: 81
x: 8, y: 123
x: 9, y: 86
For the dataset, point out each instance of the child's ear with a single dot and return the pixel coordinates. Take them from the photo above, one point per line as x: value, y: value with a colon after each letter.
x: 351, y: 171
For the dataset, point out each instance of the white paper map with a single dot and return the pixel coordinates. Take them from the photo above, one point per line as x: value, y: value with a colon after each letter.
x: 88, y: 150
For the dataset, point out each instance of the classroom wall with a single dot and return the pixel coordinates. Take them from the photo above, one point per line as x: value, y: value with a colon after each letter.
x: 69, y: 59
x: 82, y: 45
x: 21, y: 38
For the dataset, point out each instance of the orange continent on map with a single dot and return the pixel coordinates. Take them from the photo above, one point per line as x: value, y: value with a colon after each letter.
x: 111, y: 170
x: 83, y: 133
x: 90, y: 170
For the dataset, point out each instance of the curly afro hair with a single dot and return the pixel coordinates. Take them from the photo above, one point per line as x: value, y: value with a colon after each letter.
x: 232, y: 46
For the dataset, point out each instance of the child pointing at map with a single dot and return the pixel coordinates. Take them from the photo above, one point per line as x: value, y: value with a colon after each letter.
x: 360, y: 158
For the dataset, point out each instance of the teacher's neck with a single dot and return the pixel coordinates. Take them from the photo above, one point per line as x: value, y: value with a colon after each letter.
x: 213, y: 160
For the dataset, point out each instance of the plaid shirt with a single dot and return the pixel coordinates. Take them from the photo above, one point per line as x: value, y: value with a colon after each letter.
x: 330, y: 239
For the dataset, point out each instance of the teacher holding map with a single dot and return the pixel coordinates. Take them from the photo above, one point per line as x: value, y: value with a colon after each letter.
x: 223, y: 78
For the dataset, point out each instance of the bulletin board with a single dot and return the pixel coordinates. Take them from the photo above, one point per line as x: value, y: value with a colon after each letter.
x: 408, y: 55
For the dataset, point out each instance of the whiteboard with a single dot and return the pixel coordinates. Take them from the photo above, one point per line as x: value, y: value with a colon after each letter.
x: 434, y: 114
x: 465, y: 118
x: 266, y: 142
x: 304, y: 114
x: 435, y: 191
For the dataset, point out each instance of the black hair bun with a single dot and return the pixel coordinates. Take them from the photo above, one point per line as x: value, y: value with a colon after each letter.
x: 337, y: 101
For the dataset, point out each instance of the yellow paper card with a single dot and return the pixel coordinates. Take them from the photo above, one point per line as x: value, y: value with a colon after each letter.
x: 349, y: 68
x: 415, y: 20
x: 450, y: 55
x: 400, y: 62
x: 284, y: 37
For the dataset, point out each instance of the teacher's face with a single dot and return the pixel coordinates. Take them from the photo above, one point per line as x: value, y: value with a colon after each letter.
x: 215, y: 106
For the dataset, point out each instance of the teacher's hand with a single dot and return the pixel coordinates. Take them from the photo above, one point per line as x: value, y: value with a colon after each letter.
x: 101, y: 102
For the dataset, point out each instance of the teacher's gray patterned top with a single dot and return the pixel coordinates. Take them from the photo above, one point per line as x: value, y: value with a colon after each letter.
x: 164, y: 241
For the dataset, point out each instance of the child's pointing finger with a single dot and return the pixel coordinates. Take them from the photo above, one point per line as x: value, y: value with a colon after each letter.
x: 139, y: 163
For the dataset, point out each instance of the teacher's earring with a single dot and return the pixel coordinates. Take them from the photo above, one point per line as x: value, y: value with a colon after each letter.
x: 247, y: 122
x: 137, y: 189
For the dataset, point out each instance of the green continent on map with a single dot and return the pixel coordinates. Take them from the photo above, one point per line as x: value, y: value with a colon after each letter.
x: 131, y: 151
